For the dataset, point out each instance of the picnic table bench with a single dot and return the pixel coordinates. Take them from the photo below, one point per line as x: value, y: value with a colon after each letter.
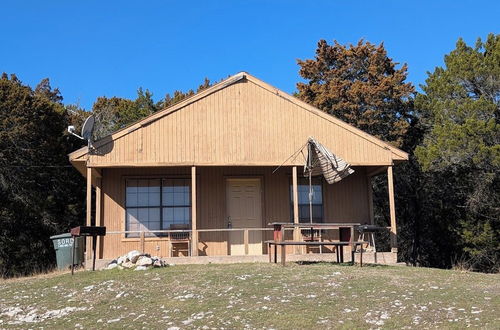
x: 279, y: 235
x: 339, y: 249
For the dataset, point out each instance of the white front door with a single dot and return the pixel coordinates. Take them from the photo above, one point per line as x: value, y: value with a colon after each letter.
x: 244, y: 209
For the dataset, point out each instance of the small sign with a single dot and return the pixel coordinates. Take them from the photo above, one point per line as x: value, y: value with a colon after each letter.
x: 65, y: 242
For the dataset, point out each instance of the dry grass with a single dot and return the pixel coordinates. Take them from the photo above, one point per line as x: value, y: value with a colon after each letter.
x: 254, y: 296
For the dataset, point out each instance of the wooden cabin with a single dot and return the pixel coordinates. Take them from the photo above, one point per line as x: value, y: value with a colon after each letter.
x: 203, y: 173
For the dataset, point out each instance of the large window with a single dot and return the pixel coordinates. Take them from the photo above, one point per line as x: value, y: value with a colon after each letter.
x: 317, y: 200
x: 157, y: 204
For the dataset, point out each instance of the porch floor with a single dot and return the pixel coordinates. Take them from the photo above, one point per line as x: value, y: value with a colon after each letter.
x: 383, y: 258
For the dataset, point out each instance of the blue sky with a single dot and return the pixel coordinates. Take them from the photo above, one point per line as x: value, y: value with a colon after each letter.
x: 110, y: 48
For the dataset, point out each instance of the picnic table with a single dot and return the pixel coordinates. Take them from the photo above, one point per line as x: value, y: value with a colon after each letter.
x: 279, y: 235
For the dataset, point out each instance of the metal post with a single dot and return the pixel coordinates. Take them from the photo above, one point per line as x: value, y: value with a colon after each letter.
x: 94, y: 243
x: 353, y: 246
x: 269, y: 251
x: 283, y: 254
x: 73, y: 256
x: 361, y: 257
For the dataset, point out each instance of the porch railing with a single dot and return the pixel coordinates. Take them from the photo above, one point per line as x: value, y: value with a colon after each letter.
x: 144, y: 236
x: 213, y: 241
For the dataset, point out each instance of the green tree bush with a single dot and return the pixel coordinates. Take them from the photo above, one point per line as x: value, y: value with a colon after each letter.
x: 447, y: 194
x: 459, y: 110
x: 40, y: 194
x: 361, y: 85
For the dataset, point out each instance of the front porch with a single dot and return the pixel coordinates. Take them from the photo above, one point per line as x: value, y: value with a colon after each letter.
x: 229, y: 211
x: 384, y: 258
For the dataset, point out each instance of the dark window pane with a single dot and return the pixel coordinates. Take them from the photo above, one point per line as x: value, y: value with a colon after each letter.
x: 154, y: 192
x: 131, y: 198
x: 303, y: 194
x: 176, y: 192
x: 176, y: 216
x: 142, y: 193
x: 142, y: 219
x: 168, y: 217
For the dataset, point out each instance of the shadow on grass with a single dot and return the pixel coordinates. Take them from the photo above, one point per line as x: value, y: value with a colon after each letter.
x: 306, y: 263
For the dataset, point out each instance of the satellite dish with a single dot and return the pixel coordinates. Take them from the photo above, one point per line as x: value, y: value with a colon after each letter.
x: 88, y: 128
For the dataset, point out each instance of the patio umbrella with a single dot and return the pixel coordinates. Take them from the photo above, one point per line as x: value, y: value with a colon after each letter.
x: 321, y: 161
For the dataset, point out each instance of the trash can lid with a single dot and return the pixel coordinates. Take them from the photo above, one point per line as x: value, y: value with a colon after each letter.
x: 65, y: 235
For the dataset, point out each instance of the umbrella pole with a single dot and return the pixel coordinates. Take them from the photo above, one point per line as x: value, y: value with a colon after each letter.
x: 310, y: 185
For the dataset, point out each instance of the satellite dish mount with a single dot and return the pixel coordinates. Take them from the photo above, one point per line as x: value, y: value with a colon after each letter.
x: 87, y: 130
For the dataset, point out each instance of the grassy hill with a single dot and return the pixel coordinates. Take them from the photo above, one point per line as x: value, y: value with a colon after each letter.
x: 254, y: 296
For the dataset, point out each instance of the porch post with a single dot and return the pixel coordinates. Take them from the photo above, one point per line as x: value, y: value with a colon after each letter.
x: 296, y: 231
x: 98, y: 215
x: 392, y: 210
x: 88, y: 219
x: 194, y: 233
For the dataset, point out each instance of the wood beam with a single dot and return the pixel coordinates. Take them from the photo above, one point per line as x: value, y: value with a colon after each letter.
x: 98, y: 215
x: 245, y: 163
x: 88, y: 219
x: 392, y: 210
x: 296, y: 231
x: 245, y: 240
x: 194, y: 233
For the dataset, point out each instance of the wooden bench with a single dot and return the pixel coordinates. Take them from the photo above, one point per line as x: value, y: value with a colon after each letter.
x: 339, y: 247
x: 180, y: 239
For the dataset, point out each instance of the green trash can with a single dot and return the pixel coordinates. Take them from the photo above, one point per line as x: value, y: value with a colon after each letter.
x: 63, y: 244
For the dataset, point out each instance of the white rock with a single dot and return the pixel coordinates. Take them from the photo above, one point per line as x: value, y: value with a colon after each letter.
x: 128, y: 265
x: 133, y: 256
x: 112, y: 266
x: 144, y: 261
x: 88, y: 288
x: 141, y: 268
x: 158, y: 263
x: 121, y: 260
x: 11, y: 311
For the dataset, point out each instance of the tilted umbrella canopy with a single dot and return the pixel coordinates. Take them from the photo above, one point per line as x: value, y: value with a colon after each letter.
x: 321, y: 161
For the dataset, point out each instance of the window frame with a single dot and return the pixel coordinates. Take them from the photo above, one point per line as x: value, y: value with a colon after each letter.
x: 161, y: 178
x: 321, y: 183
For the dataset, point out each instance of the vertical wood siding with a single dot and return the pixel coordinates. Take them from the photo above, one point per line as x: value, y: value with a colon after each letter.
x: 241, y: 124
x: 346, y: 201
